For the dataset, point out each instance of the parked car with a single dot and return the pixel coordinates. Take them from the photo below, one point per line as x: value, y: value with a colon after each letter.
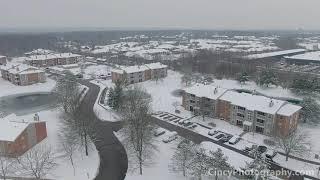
x: 181, y: 121
x: 271, y: 154
x: 187, y: 123
x: 79, y: 76
x: 170, y: 137
x: 159, y: 132
x: 219, y: 136
x: 176, y: 121
x: 212, y: 132
x: 192, y: 126
x: 225, y: 138
x: 262, y: 149
x: 173, y: 118
x: 234, y: 140
x: 167, y: 117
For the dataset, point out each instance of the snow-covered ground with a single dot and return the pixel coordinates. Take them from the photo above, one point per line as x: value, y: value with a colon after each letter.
x: 85, y: 167
x: 7, y: 88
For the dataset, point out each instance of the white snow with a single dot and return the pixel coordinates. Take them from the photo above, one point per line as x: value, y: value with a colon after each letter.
x: 11, y: 127
x: 7, y: 88
x: 311, y: 56
x: 208, y: 91
x: 276, y: 53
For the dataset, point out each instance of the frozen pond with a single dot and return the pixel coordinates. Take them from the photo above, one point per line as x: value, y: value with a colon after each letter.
x: 27, y: 103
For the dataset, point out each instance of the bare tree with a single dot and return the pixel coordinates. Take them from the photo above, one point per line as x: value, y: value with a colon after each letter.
x: 37, y: 162
x: 182, y: 157
x: 68, y: 145
x: 138, y: 130
x: 295, y: 142
x: 186, y: 79
x: 7, y: 167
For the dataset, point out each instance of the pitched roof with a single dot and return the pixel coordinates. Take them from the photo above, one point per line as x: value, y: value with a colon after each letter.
x: 207, y: 91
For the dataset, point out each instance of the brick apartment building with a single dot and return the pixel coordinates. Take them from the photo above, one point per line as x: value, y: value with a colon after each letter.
x: 47, y: 60
x: 135, y: 74
x: 3, y: 60
x: 251, y: 112
x: 18, y: 136
x: 22, y: 74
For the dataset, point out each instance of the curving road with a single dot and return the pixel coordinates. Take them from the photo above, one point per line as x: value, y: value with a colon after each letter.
x: 113, y: 157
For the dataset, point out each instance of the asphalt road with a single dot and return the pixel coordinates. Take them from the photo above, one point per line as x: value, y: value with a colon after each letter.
x: 113, y: 157
x: 198, y: 138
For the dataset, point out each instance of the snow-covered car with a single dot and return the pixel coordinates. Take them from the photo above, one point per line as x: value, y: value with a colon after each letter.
x: 159, y: 132
x: 225, y: 138
x: 192, y: 126
x: 212, y: 132
x: 170, y: 137
x: 271, y: 154
x: 234, y: 140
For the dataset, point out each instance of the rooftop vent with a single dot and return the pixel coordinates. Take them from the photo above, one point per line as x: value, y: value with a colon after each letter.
x: 271, y: 103
x: 215, y: 90
x: 36, y: 117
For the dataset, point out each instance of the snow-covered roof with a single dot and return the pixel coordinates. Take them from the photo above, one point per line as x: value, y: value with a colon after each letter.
x: 276, y: 53
x: 156, y: 65
x: 288, y: 109
x: 208, y: 91
x: 17, y: 68
x: 139, y: 68
x: 39, y: 52
x: 253, y: 102
x: 312, y: 56
x: 2, y: 56
x: 52, y: 56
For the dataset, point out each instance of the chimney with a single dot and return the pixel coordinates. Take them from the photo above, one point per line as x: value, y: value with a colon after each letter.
x: 215, y: 90
x: 271, y: 103
x: 36, y: 117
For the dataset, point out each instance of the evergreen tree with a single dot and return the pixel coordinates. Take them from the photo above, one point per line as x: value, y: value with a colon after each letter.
x: 243, y: 78
x: 310, y: 111
x: 218, y: 162
x: 267, y: 78
x: 111, y: 98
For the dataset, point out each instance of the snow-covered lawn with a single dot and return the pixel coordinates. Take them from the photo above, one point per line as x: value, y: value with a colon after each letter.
x: 7, y: 88
x: 86, y: 167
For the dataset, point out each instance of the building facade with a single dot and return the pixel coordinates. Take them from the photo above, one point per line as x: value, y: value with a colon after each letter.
x: 136, y: 74
x: 53, y: 59
x: 17, y: 137
x: 251, y: 112
x: 3, y: 60
x: 22, y: 75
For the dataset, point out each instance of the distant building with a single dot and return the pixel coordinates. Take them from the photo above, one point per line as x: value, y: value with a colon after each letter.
x: 251, y: 112
x: 18, y: 136
x: 22, y: 74
x: 53, y: 59
x: 3, y: 60
x: 135, y: 74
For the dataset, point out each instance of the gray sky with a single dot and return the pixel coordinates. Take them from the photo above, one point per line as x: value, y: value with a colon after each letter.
x: 199, y: 14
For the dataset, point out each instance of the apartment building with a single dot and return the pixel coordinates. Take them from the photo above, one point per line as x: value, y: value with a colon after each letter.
x: 251, y: 112
x: 22, y: 74
x: 18, y: 136
x: 140, y: 73
x: 3, y: 60
x: 47, y: 60
x: 202, y: 99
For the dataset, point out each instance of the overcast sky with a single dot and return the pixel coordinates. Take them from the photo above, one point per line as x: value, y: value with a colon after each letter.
x: 198, y: 14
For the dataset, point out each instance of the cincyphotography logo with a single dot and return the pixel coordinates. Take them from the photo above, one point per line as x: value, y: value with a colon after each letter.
x: 263, y: 173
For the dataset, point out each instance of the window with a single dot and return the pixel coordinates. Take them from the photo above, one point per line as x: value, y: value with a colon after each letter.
x: 239, y: 123
x: 240, y: 115
x: 140, y: 80
x: 260, y: 121
x: 192, y: 95
x: 261, y: 113
x: 241, y: 108
x: 192, y: 101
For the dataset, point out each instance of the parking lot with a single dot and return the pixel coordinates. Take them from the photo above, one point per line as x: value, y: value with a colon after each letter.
x: 198, y: 133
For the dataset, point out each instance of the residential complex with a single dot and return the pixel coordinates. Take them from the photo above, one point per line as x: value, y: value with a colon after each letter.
x: 252, y: 112
x: 22, y: 74
x: 18, y: 136
x: 47, y: 60
x: 3, y: 60
x: 135, y: 74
